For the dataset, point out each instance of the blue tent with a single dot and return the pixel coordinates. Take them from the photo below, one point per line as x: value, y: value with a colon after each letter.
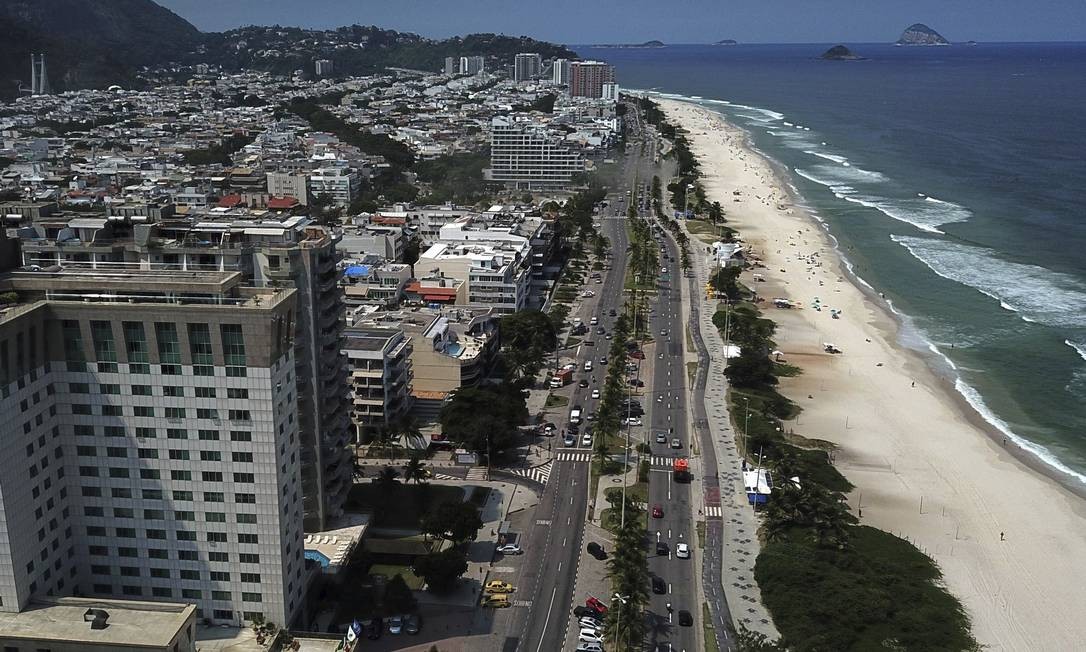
x: 357, y: 271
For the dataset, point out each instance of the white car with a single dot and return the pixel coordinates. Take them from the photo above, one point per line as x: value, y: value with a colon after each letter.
x: 589, y: 636
x: 632, y: 421
x: 590, y: 623
x: 595, y: 393
x: 586, y: 439
x: 589, y: 647
x: 682, y: 551
x: 510, y: 549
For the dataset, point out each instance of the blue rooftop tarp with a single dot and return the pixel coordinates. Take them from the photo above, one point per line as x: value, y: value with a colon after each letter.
x: 356, y: 271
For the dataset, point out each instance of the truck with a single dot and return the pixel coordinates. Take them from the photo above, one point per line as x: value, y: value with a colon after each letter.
x: 681, y: 469
x: 575, y: 415
x: 562, y: 377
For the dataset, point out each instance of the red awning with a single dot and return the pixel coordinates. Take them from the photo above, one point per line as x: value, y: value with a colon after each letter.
x: 437, y: 297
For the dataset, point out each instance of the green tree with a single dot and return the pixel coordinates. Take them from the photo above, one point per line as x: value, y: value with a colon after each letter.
x: 415, y: 469
x: 482, y: 417
x: 387, y: 479
x: 453, y: 521
x: 752, y: 369
x: 398, y: 597
x: 441, y: 570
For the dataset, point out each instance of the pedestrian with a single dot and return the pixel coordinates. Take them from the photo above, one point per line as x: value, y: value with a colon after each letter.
x: 1001, y: 537
x: 914, y: 383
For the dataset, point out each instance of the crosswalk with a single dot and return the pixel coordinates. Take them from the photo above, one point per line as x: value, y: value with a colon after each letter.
x: 574, y: 456
x: 714, y: 510
x: 540, y: 473
x: 445, y: 476
x: 660, y: 460
x: 476, y: 473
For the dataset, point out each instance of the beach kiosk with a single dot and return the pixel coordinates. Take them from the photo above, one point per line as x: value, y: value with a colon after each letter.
x: 758, y: 484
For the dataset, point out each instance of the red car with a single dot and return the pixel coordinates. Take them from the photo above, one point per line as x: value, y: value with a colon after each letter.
x: 638, y: 355
x: 657, y: 511
x: 596, y: 605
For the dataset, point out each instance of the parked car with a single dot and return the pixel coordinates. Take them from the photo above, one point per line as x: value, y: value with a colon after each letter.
x: 412, y: 623
x: 509, y: 549
x: 395, y: 624
x: 372, y: 628
x: 631, y: 421
x: 596, y: 550
x: 570, y: 440
x: 499, y: 601
x: 595, y: 605
x: 586, y: 439
x: 595, y: 393
x: 682, y: 551
x: 675, y: 443
x: 498, y: 586
x: 685, y: 618
x: 583, y: 383
x: 581, y: 612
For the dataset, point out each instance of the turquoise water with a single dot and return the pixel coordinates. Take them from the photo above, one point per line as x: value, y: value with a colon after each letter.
x: 954, y: 180
x: 319, y: 557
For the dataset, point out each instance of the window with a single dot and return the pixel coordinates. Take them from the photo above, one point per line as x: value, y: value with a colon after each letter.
x: 127, y: 552
x: 240, y: 435
x: 118, y: 472
x: 125, y: 532
x: 182, y: 495
x: 187, y: 574
x: 247, y: 538
x: 111, y: 411
x: 150, y: 474
x: 240, y: 415
x: 169, y: 348
x: 135, y: 344
x: 253, y: 616
x: 76, y: 388
x: 152, y: 494
x: 192, y: 594
x: 175, y: 413
x: 220, y: 595
x: 98, y: 551
x: 223, y: 614
x: 245, y: 478
x: 91, y: 510
x: 209, y: 435
x: 210, y: 456
x: 178, y: 454
x: 251, y: 578
x: 233, y: 345
x: 187, y: 555
x: 180, y: 475
x: 92, y: 492
x: 82, y: 430
x: 235, y: 392
x: 218, y: 556
x: 81, y: 408
x: 153, y: 514
x: 215, y: 517
x: 220, y: 576
x: 245, y: 499
x: 251, y: 597
x: 120, y: 492
x: 144, y: 411
x: 176, y: 433
x: 146, y: 433
x: 247, y: 518
x: 161, y: 592
x: 207, y: 413
x: 205, y: 392
x: 200, y: 346
x: 99, y: 569
x: 148, y: 454
x: 116, y: 451
x: 129, y: 589
x: 156, y: 534
x: 216, y: 537
x: 109, y: 388
x: 123, y: 512
x: 248, y: 557
x: 73, y: 345
x: 105, y: 350
x: 213, y: 496
x: 185, y: 535
x: 240, y: 456
x: 86, y: 451
x: 158, y: 553
x: 141, y: 390
x: 96, y: 531
x: 211, y: 476
x: 114, y: 431
x: 185, y: 515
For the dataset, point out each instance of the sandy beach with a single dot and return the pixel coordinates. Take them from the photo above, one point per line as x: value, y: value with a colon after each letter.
x: 1011, y: 541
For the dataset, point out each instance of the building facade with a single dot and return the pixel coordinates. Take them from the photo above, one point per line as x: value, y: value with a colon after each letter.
x: 289, y: 184
x: 154, y: 451
x: 527, y: 66
x: 380, y: 368
x: 587, y: 78
x: 528, y: 156
x: 452, y: 66
x: 560, y: 72
x: 472, y: 65
x: 340, y: 183
x: 323, y: 67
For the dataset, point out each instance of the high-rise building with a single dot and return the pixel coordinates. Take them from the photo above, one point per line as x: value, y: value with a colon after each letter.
x: 526, y: 66
x: 609, y: 91
x: 452, y: 66
x: 586, y: 78
x: 151, y: 446
x: 472, y: 65
x: 324, y: 67
x: 289, y: 251
x: 526, y: 155
x: 380, y: 366
x: 560, y: 71
x: 39, y: 80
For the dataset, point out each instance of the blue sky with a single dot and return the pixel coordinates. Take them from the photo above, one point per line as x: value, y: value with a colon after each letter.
x: 673, y: 21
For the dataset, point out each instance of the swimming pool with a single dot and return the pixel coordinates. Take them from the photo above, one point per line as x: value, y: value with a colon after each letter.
x: 318, y: 556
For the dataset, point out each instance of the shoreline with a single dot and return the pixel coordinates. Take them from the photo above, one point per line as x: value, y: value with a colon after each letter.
x: 913, y: 437
x: 942, y: 370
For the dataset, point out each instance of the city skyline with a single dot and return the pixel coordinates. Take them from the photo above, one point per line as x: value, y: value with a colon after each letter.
x: 695, y: 21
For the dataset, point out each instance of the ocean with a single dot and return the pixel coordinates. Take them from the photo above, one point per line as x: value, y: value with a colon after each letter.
x: 954, y: 181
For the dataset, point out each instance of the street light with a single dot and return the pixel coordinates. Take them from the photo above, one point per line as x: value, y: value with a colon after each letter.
x: 618, y: 622
x: 686, y: 199
x: 746, y: 425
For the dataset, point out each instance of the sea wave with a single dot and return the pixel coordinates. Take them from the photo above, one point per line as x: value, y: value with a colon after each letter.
x: 1034, y: 293
x: 829, y: 157
x: 1079, y: 347
x: 972, y: 396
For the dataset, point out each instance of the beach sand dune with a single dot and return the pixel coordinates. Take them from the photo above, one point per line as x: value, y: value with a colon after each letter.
x: 1010, y: 540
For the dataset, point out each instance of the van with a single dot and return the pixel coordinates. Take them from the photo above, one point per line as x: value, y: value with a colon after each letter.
x: 588, y: 365
x: 575, y: 416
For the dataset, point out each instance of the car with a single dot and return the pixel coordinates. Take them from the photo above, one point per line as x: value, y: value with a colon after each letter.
x: 631, y: 421
x: 685, y: 618
x: 607, y: 336
x: 663, y: 333
x: 581, y: 612
x: 395, y: 624
x: 595, y: 393
x: 603, y: 360
x: 591, y: 416
x: 637, y: 355
x: 499, y: 601
x: 601, y: 330
x: 584, y: 646
x: 594, y: 320
x: 588, y: 365
x: 587, y: 635
x: 589, y: 621
x: 634, y: 382
x: 596, y: 550
x: 498, y: 586
x: 661, y: 548
x: 372, y: 628
x: 595, y: 605
x: 675, y: 443
x: 612, y: 312
x: 661, y: 438
x: 663, y: 270
x: 569, y: 441
x: 583, y: 383
x: 658, y: 585
x: 682, y: 551
x: 657, y: 511
x: 586, y: 439
x: 509, y: 549
x: 412, y: 623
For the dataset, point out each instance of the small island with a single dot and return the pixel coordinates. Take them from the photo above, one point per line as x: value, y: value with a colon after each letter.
x: 727, y: 41
x: 646, y: 44
x: 840, y: 53
x: 921, y: 34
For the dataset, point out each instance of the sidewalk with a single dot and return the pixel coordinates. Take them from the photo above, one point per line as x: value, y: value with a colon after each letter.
x: 740, y: 541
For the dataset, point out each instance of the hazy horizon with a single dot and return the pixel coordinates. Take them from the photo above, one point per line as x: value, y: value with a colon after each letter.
x: 684, y: 22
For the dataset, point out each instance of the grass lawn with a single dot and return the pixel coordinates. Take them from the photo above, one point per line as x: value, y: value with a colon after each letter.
x: 403, y: 505
x: 701, y: 534
x: 877, y: 589
x: 703, y: 230
x: 391, y: 570
x: 691, y: 371
x: 556, y: 400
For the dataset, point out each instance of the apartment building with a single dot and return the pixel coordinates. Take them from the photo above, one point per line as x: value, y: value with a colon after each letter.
x: 380, y: 366
x: 340, y: 183
x: 527, y: 155
x: 373, y: 281
x: 152, y: 448
x: 497, y: 272
x: 472, y: 65
x: 587, y: 78
x: 527, y: 66
x: 560, y: 72
x: 286, y: 252
x: 452, y: 66
x: 289, y: 184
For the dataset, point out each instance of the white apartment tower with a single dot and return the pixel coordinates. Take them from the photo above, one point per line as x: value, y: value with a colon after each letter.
x: 560, y: 72
x: 150, y: 449
x: 527, y: 156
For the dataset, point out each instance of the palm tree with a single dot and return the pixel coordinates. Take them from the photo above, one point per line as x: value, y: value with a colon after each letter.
x: 603, y: 452
x: 387, y: 478
x: 415, y: 469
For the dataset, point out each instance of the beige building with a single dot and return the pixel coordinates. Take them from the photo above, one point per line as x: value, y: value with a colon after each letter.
x: 94, y: 625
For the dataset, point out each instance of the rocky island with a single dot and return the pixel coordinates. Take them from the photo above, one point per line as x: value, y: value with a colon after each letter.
x: 646, y: 44
x: 921, y: 34
x: 727, y: 41
x: 840, y: 53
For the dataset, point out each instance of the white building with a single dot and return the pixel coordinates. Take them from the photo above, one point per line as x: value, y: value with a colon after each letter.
x: 472, y: 65
x: 496, y: 267
x: 609, y: 91
x: 151, y: 449
x: 560, y: 72
x: 526, y: 154
x: 340, y: 183
x: 323, y: 67
x: 452, y: 66
x: 526, y: 66
x: 289, y: 184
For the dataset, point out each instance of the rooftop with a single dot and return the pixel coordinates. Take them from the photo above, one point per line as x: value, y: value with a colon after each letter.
x: 131, y: 622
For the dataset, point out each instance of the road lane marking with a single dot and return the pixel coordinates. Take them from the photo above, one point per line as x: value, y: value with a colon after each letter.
x: 548, y: 618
